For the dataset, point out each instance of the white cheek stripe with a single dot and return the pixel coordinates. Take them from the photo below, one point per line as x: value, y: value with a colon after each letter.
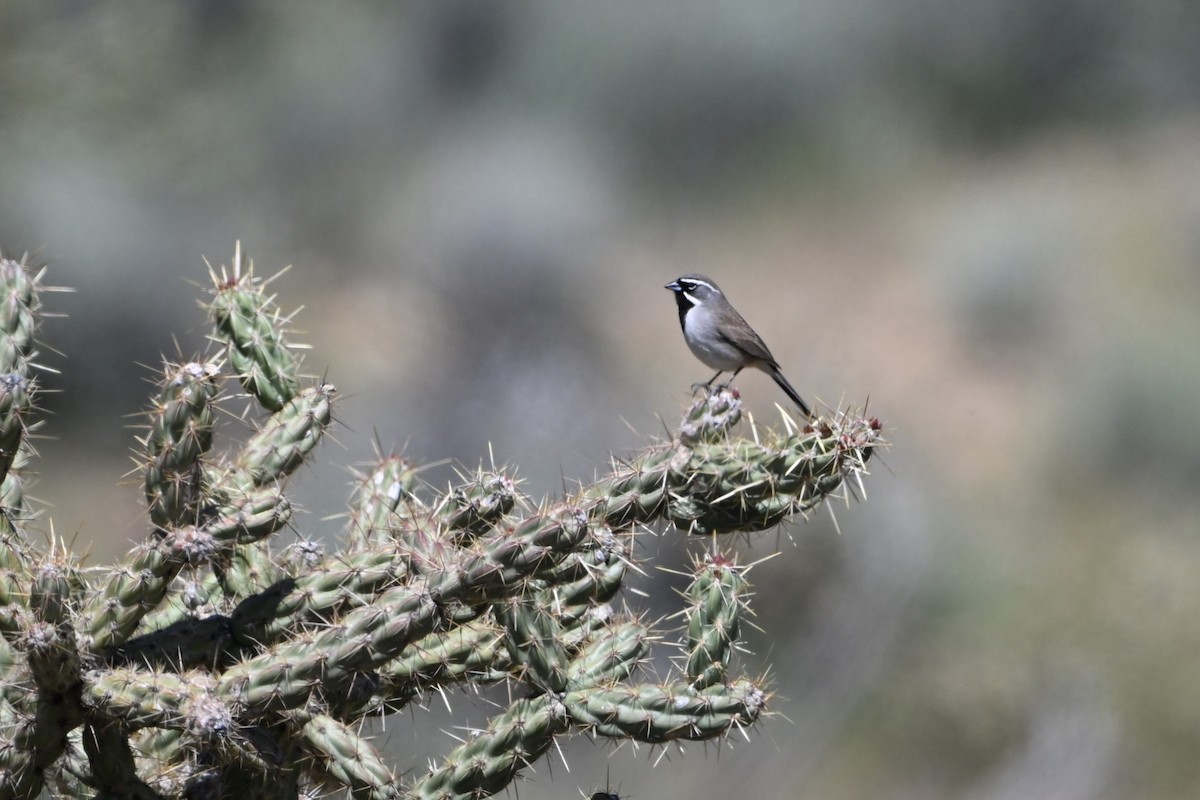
x: 692, y: 299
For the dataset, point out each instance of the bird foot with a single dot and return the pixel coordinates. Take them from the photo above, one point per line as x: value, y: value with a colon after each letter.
x: 709, y: 389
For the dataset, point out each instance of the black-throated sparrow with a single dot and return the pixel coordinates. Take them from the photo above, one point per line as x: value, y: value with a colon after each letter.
x: 719, y: 336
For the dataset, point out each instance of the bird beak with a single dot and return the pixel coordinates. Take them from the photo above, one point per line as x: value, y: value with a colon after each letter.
x: 673, y: 286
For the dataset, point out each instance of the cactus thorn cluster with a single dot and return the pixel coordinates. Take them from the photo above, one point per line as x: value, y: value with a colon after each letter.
x: 217, y: 660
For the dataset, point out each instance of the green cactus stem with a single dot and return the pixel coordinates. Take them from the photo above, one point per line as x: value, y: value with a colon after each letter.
x: 535, y: 643
x: 14, y: 513
x: 376, y: 498
x: 610, y: 656
x: 716, y: 600
x: 476, y: 506
x: 336, y: 584
x: 181, y: 432
x: 252, y: 328
x: 285, y: 439
x: 16, y: 407
x: 343, y: 758
x: 473, y: 653
x: 285, y: 676
x: 129, y: 592
x: 659, y: 714
x: 20, y: 307
x: 727, y: 485
x: 488, y: 761
x: 142, y: 698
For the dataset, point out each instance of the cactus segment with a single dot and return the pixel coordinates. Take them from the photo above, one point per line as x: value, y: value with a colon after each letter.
x: 129, y: 593
x: 336, y: 584
x: 16, y: 407
x: 660, y: 714
x: 20, y: 307
x: 590, y: 576
x: 716, y: 600
x: 490, y: 759
x: 252, y: 329
x: 181, y: 432
x: 473, y: 508
x: 286, y: 438
x: 727, y: 485
x: 610, y: 656
x: 141, y: 698
x: 345, y: 759
x: 535, y: 643
x: 53, y: 657
x: 711, y: 416
x: 473, y: 653
x: 377, y: 495
x: 256, y: 515
x: 284, y: 676
x: 56, y: 590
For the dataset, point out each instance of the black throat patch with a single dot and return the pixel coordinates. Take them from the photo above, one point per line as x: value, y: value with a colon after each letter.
x: 685, y: 304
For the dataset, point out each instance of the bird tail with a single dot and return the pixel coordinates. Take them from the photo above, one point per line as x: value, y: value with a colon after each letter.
x: 777, y: 375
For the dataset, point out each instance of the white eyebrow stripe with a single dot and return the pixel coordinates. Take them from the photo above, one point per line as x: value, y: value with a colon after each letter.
x: 697, y: 282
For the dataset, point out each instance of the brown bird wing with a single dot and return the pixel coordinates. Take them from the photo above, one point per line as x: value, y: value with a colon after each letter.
x: 739, y: 333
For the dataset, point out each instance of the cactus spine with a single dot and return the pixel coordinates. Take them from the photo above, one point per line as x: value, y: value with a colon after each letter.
x: 212, y: 662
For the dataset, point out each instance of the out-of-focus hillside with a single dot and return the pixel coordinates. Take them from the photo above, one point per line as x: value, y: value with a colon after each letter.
x: 983, y: 216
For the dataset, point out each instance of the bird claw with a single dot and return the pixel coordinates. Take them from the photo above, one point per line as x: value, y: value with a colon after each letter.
x: 709, y: 389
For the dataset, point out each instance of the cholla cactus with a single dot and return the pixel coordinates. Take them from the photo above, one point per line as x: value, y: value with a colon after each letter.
x: 212, y: 662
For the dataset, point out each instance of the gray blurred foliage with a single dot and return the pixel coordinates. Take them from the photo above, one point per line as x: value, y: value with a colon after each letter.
x: 982, y: 214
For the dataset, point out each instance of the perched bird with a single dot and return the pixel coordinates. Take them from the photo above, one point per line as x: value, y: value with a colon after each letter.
x: 720, y: 337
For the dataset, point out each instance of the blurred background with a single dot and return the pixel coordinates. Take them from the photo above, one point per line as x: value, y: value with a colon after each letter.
x: 984, y: 216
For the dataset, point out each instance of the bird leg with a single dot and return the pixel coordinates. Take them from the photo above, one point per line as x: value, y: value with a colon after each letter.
x: 708, y: 387
x: 728, y: 383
